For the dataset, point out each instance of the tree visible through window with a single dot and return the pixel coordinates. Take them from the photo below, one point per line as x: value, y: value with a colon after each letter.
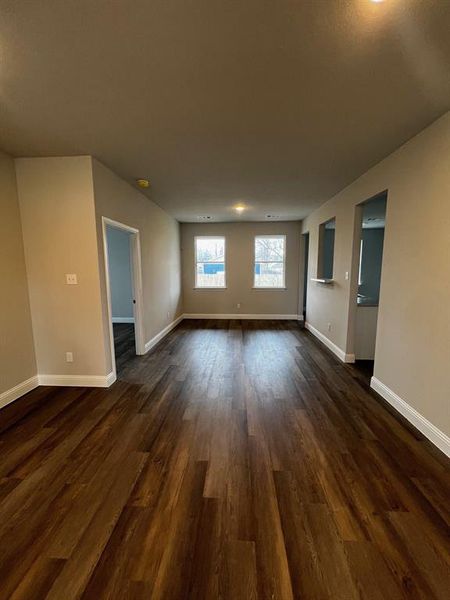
x: 210, y: 262
x: 270, y: 253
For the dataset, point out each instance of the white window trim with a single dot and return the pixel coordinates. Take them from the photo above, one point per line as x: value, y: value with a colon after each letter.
x: 211, y: 287
x: 272, y: 287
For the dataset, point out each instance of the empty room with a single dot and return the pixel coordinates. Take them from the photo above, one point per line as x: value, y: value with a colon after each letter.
x: 225, y: 300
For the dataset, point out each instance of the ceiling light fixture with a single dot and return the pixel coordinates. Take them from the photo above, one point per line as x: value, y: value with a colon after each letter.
x: 239, y: 208
x: 377, y: 1
x: 143, y: 183
x: 203, y: 217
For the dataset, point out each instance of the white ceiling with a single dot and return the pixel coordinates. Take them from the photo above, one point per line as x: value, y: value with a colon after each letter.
x: 274, y: 104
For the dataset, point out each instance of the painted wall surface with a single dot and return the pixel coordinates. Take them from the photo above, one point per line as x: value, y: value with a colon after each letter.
x: 240, y: 239
x: 17, y: 359
x: 160, y: 248
x: 120, y: 278
x: 413, y: 333
x: 58, y: 221
x: 365, y: 332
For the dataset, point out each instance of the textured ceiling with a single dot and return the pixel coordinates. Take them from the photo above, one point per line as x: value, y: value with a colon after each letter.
x: 276, y: 104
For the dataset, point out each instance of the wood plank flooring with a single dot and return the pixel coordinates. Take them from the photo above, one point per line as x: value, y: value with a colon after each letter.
x: 124, y: 344
x: 238, y: 460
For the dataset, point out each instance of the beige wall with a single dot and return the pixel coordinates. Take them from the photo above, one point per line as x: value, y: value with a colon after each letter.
x: 160, y: 248
x: 58, y: 220
x: 62, y: 201
x: 413, y: 338
x: 17, y: 360
x: 366, y: 318
x: 239, y: 270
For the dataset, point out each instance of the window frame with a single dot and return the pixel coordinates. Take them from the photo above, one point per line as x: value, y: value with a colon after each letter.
x: 211, y: 287
x: 272, y: 287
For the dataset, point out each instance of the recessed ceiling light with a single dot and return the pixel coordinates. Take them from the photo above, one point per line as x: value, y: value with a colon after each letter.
x: 143, y: 183
x: 239, y: 208
x: 377, y: 1
x: 203, y: 217
x: 272, y: 216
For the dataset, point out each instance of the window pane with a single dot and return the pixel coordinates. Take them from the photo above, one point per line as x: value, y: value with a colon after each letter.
x: 269, y: 274
x: 269, y: 249
x: 210, y: 274
x: 210, y: 249
x: 210, y: 262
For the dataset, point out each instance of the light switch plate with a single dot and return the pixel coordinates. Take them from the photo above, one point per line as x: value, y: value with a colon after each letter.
x: 71, y: 279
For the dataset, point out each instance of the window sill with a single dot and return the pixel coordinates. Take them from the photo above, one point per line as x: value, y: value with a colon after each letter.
x: 270, y: 289
x: 202, y: 287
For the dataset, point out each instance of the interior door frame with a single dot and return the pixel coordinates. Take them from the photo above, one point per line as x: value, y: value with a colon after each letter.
x: 354, y: 283
x: 136, y: 278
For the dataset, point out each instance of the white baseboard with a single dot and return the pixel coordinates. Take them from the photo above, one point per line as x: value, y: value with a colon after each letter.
x: 430, y: 431
x: 78, y: 380
x: 159, y: 336
x: 18, y: 390
x: 110, y: 379
x: 240, y: 316
x: 347, y: 358
x: 62, y: 380
x: 122, y: 319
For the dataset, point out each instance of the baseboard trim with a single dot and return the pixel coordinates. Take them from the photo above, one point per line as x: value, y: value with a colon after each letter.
x: 78, y: 380
x: 159, y: 336
x: 18, y: 390
x: 240, y: 316
x: 346, y: 358
x: 430, y: 431
x: 110, y: 379
x: 122, y: 319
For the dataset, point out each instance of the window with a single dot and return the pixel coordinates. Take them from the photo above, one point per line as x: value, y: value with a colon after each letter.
x: 270, y: 254
x: 326, y: 249
x: 209, y: 262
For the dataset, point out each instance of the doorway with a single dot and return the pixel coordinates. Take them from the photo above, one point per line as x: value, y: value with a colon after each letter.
x: 305, y: 272
x: 124, y: 291
x: 372, y: 223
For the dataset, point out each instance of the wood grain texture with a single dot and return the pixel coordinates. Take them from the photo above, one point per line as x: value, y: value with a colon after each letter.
x: 237, y: 460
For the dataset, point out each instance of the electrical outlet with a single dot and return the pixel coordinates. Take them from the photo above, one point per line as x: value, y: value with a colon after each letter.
x: 346, y: 275
x: 238, y: 305
x: 168, y: 314
x: 71, y: 279
x: 329, y: 326
x: 69, y: 357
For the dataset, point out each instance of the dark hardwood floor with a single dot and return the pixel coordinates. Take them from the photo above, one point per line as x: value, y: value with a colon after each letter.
x: 124, y: 344
x: 237, y: 460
